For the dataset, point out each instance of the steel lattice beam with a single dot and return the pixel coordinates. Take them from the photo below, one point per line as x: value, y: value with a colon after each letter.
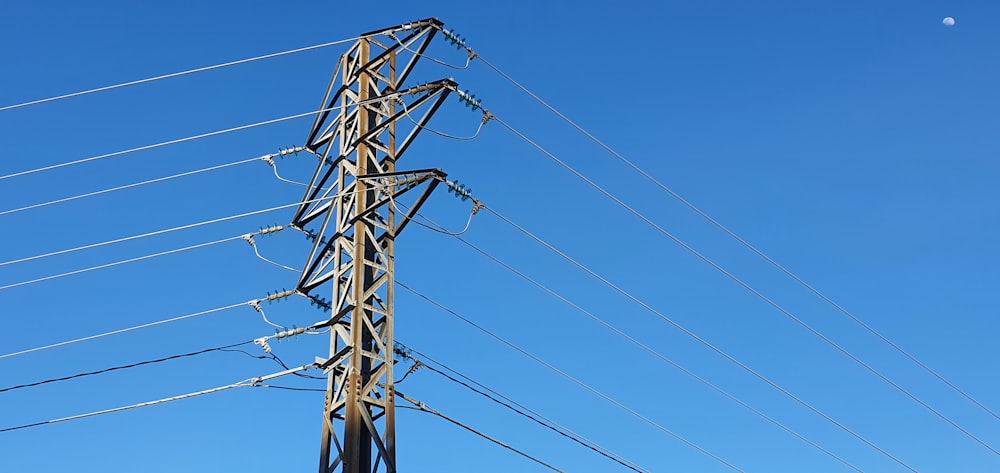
x: 352, y: 198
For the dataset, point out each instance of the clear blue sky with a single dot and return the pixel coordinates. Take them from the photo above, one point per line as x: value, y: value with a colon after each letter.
x: 854, y: 142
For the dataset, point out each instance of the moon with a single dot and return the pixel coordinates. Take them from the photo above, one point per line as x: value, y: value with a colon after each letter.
x: 948, y: 21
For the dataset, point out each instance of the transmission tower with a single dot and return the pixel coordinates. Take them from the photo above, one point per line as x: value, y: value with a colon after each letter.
x: 353, y: 198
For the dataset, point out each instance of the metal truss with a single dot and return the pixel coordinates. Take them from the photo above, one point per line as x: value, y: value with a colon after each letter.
x: 352, y: 197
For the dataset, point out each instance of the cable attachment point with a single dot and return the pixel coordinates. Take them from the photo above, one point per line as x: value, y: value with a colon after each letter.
x: 469, y: 100
x: 262, y: 342
x: 417, y: 364
x: 249, y: 239
x: 256, y: 305
x: 459, y: 189
x: 477, y: 206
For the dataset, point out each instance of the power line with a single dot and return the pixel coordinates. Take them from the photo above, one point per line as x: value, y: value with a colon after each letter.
x: 245, y: 383
x: 696, y: 337
x: 514, y: 406
x: 120, y: 262
x: 129, y: 329
x: 161, y: 232
x: 754, y: 291
x: 133, y: 185
x: 291, y: 388
x: 652, y: 351
x: 123, y: 367
x: 569, y: 377
x: 420, y: 406
x: 141, y: 258
x: 162, y: 144
x: 194, y: 137
x: 177, y: 74
x: 742, y: 241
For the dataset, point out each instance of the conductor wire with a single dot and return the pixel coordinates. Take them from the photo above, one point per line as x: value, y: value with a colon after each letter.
x: 245, y: 383
x: 743, y: 242
x: 194, y: 137
x: 177, y: 74
x: 655, y: 353
x: 570, y: 377
x: 745, y: 285
x: 125, y: 330
x: 127, y: 186
x: 420, y: 406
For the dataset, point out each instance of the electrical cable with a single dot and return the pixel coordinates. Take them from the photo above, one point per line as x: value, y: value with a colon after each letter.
x: 124, y: 330
x: 245, y: 383
x: 122, y: 367
x: 406, y: 112
x: 751, y: 289
x: 569, y: 377
x: 701, y: 340
x: 285, y: 366
x: 654, y: 352
x: 196, y: 137
x: 260, y: 310
x: 420, y: 406
x: 440, y: 229
x: 274, y: 167
x: 291, y: 388
x: 517, y: 407
x: 253, y: 244
x: 128, y: 186
x: 162, y: 144
x: 155, y: 233
x: 120, y: 262
x: 431, y: 58
x: 744, y: 242
x: 177, y: 74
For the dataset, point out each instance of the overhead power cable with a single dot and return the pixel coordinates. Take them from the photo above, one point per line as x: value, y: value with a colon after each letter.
x: 162, y: 144
x: 177, y: 74
x: 699, y: 339
x: 514, y: 406
x: 420, y: 406
x: 196, y: 137
x: 254, y: 303
x: 124, y: 330
x: 138, y: 184
x: 245, y: 383
x: 753, y: 291
x: 652, y: 351
x: 292, y: 388
x: 120, y: 262
x: 123, y: 367
x: 566, y: 375
x: 743, y: 242
x: 160, y: 232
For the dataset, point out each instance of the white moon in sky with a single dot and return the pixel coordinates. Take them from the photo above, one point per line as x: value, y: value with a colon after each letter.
x: 949, y: 21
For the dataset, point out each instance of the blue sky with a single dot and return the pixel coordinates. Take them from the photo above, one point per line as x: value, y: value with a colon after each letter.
x: 855, y: 143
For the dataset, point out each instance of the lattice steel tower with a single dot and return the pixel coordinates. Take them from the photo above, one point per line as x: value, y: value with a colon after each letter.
x: 354, y: 193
